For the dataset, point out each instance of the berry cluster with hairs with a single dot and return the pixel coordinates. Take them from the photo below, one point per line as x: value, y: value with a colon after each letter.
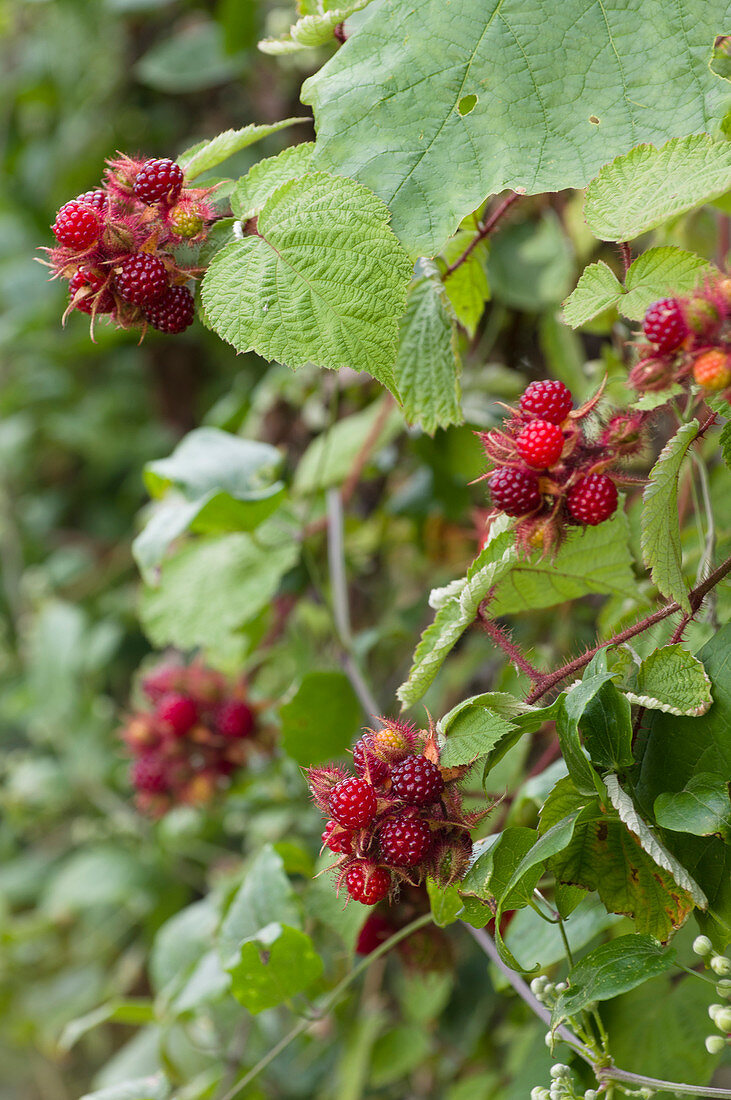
x: 688, y: 340
x: 198, y: 729
x: 548, y: 472
x: 119, y: 246
x: 397, y: 819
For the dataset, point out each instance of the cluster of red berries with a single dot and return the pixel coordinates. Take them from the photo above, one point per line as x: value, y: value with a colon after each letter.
x: 547, y: 472
x: 688, y: 338
x: 200, y: 729
x: 118, y: 245
x: 397, y: 819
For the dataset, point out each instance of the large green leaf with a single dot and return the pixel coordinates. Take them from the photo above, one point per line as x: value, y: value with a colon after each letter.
x: 209, y: 154
x: 323, y: 280
x: 661, y: 548
x: 483, y: 98
x: 263, y: 179
x: 322, y: 718
x: 428, y: 364
x: 645, y: 187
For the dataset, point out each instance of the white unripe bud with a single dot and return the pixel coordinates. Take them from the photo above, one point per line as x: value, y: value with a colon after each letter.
x: 715, y: 1044
x: 721, y: 965
x: 562, y: 987
x: 723, y: 989
x: 702, y: 945
x: 538, y: 1093
x: 722, y: 1020
x: 591, y: 1094
x: 560, y: 1070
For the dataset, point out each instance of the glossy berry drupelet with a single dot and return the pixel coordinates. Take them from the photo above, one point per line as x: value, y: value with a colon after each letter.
x: 417, y: 781
x: 353, y: 803
x: 664, y: 325
x: 593, y: 499
x: 96, y: 198
x: 173, y: 312
x: 404, y: 841
x: 177, y: 711
x: 77, y: 225
x: 540, y: 444
x: 548, y: 399
x: 91, y: 300
x: 142, y: 279
x: 148, y: 773
x: 158, y: 181
x: 712, y: 370
x: 337, y: 839
x: 367, y: 763
x: 234, y: 719
x: 514, y: 491
x: 366, y: 882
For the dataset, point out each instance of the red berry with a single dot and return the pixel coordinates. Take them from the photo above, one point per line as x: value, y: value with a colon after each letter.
x: 367, y: 763
x: 149, y: 773
x: 96, y: 198
x: 173, y: 312
x: 92, y: 301
x: 593, y: 499
x: 366, y: 882
x: 417, y: 781
x: 712, y: 370
x: 234, y: 719
x: 405, y: 841
x: 374, y: 932
x: 77, y: 225
x: 540, y: 444
x: 161, y: 680
x: 515, y: 492
x: 549, y: 399
x: 178, y: 711
x: 158, y: 180
x: 664, y: 325
x: 353, y: 803
x: 337, y: 839
x: 142, y: 279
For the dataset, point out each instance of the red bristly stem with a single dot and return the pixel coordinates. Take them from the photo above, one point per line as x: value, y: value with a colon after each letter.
x: 626, y: 255
x: 483, y: 231
x: 501, y: 639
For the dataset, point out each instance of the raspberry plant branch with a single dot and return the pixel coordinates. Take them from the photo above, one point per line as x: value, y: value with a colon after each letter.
x: 483, y: 231
x: 328, y: 1004
x: 501, y: 639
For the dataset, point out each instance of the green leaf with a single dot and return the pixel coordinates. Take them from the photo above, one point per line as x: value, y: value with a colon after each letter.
x: 607, y: 728
x: 155, y: 1087
x: 206, y: 155
x: 457, y: 612
x: 427, y: 364
x: 446, y: 903
x: 323, y: 281
x: 647, y: 186
x: 514, y: 100
x: 263, y: 179
x: 119, y: 1011
x: 322, y: 719
x: 701, y: 808
x: 490, y: 874
x: 598, y: 289
x: 277, y: 962
x: 180, y: 944
x: 660, y: 273
x: 477, y: 725
x: 725, y: 440
x: 671, y: 680
x: 312, y: 29
x: 467, y: 286
x: 265, y: 897
x: 208, y: 590
x: 553, y: 841
x: 609, y: 970
x: 570, y: 717
x: 330, y: 457
x: 660, y: 525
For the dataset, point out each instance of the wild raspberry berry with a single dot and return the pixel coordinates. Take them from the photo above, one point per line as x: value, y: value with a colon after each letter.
x: 392, y: 744
x: 701, y: 316
x: 91, y: 301
x: 593, y: 499
x: 515, y: 492
x: 404, y: 841
x: 234, y: 719
x: 96, y: 198
x: 337, y: 839
x: 178, y: 711
x: 549, y: 399
x: 417, y: 781
x: 353, y: 803
x: 142, y: 279
x: 186, y: 222
x: 173, y: 312
x: 367, y: 883
x: 366, y: 763
x: 540, y: 444
x: 149, y: 773
x: 712, y: 370
x: 77, y: 225
x: 158, y: 180
x: 374, y: 932
x: 664, y: 324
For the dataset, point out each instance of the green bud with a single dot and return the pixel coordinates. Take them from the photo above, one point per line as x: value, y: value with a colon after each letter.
x: 715, y: 1044
x: 722, y: 1020
x: 591, y: 1094
x: 539, y: 1093
x: 721, y: 965
x: 560, y: 1070
x: 723, y: 989
x: 702, y: 945
x: 562, y: 987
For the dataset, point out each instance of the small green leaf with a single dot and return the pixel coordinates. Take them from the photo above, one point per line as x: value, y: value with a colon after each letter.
x: 322, y: 281
x: 467, y: 286
x: 647, y: 186
x: 477, y: 725
x: 660, y: 273
x: 330, y: 457
x: 607, y: 728
x: 263, y: 179
x: 702, y: 807
x: 265, y: 897
x: 570, y: 717
x: 446, y: 903
x: 205, y: 155
x: 277, y: 962
x: 671, y: 680
x: 313, y: 29
x: 322, y: 719
x: 609, y: 970
x: 660, y: 525
x: 598, y: 289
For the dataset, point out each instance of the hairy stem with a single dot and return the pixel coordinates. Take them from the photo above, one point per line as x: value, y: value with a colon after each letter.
x: 502, y: 639
x: 483, y: 231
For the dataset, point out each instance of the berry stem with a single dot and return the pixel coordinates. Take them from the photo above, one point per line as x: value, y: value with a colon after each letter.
x: 626, y: 255
x: 501, y: 639
x: 695, y: 596
x: 483, y: 231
